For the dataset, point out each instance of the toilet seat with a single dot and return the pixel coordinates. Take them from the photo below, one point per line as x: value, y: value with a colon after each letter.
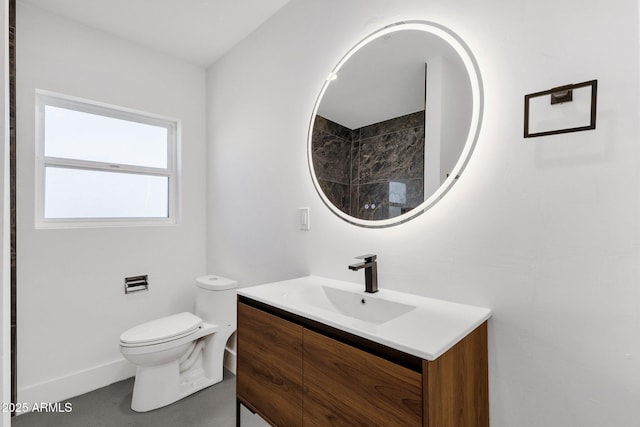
x: 161, y: 330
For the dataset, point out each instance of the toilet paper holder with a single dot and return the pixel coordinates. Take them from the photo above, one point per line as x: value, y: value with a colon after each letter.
x: 136, y: 284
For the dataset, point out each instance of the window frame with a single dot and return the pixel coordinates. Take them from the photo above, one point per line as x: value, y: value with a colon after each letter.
x: 173, y: 126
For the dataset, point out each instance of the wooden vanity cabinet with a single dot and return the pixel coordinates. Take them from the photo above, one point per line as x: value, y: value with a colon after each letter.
x: 456, y: 384
x: 269, y: 366
x: 293, y: 372
x: 345, y: 386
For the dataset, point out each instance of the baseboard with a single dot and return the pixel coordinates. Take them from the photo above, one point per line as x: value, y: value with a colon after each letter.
x: 80, y: 382
x: 77, y: 383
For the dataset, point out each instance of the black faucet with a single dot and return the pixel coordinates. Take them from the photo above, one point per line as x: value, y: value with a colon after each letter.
x: 370, y: 272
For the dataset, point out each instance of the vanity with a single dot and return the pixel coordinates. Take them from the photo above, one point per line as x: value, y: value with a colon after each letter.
x: 314, y: 351
x: 381, y: 151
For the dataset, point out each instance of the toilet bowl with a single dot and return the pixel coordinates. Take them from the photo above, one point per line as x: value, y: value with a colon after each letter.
x: 180, y: 354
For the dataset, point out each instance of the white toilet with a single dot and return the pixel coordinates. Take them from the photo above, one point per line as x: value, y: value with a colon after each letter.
x: 180, y: 354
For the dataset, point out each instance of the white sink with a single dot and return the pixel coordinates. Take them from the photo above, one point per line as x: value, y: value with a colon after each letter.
x: 421, y: 326
x: 358, y: 305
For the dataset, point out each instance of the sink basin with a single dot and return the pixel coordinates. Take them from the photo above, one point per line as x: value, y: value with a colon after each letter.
x: 417, y: 325
x: 358, y: 305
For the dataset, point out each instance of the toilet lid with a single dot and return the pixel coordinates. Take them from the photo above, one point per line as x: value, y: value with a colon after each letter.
x: 164, y: 329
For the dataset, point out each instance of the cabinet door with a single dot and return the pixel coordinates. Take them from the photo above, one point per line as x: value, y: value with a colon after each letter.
x: 345, y: 386
x: 269, y: 370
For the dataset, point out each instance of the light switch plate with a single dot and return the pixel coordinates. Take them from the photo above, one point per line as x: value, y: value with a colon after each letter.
x: 303, y: 215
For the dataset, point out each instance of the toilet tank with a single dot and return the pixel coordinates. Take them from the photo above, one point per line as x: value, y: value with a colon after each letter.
x: 216, y: 300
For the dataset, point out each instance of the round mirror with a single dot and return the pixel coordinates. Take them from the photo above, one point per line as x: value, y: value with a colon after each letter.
x: 395, y: 123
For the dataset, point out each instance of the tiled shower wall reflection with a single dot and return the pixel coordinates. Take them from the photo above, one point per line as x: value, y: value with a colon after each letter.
x: 374, y: 172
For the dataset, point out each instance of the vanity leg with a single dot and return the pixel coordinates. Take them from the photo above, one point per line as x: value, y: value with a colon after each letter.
x: 237, y: 412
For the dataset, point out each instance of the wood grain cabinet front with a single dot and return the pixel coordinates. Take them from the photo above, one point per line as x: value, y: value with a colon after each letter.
x: 345, y: 386
x: 295, y: 374
x: 456, y: 384
x: 269, y: 366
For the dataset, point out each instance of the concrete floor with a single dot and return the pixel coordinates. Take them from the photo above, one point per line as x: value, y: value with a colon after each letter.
x: 110, y: 407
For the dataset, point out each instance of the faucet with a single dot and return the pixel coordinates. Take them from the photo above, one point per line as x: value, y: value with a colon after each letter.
x: 370, y: 272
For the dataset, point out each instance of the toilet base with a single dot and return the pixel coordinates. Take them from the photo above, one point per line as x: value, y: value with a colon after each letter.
x: 158, y: 386
x: 196, y: 382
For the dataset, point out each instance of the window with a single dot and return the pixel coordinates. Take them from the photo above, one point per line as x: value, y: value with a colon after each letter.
x: 100, y: 165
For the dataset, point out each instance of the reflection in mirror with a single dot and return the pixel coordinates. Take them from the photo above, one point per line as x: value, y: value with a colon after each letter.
x: 391, y: 124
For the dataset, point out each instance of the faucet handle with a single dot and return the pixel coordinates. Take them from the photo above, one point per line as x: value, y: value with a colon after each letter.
x: 367, y: 257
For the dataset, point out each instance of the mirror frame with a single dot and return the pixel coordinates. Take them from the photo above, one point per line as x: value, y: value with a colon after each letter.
x: 473, y: 71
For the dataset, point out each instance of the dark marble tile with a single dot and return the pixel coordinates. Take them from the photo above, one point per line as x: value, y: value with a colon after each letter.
x: 333, y: 128
x: 392, y: 125
x: 389, y: 199
x: 354, y: 209
x: 393, y: 156
x: 354, y: 172
x: 331, y: 156
x: 14, y: 364
x: 359, y: 168
x: 337, y: 193
x: 14, y: 311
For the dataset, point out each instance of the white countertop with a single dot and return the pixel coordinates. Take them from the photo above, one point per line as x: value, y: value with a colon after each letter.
x: 423, y: 327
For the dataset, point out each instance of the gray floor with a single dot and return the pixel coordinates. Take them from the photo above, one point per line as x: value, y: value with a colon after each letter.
x: 110, y: 407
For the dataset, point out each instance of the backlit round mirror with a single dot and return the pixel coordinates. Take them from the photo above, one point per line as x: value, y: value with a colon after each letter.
x: 395, y: 123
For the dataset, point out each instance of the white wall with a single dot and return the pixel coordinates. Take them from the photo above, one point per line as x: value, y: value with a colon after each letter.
x: 5, y: 254
x: 71, y: 304
x: 544, y: 231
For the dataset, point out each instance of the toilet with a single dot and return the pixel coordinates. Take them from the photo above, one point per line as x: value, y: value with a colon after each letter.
x: 180, y: 354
